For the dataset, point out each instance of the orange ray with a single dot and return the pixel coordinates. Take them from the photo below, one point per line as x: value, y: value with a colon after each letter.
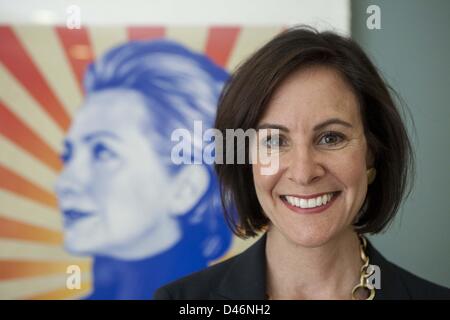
x: 15, y: 130
x: 220, y: 43
x: 78, y: 50
x: 18, y: 230
x: 17, y: 184
x: 13, y: 269
x: 145, y: 33
x: 62, y: 293
x: 16, y: 59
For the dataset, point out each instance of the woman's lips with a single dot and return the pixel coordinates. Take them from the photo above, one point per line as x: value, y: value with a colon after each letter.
x: 316, y: 209
x: 72, y: 215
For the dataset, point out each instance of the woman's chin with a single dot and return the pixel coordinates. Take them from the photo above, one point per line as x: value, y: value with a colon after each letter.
x: 78, y: 248
x: 76, y: 251
x: 310, y: 238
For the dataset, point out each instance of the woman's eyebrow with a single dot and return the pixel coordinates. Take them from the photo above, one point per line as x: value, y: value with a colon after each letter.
x: 272, y: 126
x: 332, y: 121
x: 100, y: 134
x: 316, y: 127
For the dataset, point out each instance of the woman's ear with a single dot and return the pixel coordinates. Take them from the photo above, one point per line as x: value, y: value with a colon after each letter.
x: 188, y: 186
x: 370, y: 159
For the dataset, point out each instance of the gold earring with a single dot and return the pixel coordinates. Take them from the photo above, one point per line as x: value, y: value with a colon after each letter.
x: 371, y: 174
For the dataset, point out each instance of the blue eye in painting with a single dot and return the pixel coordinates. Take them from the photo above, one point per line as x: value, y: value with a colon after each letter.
x: 67, y: 152
x: 102, y: 153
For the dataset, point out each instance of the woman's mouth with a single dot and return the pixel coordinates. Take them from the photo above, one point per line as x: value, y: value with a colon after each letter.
x: 310, y: 204
x: 72, y: 215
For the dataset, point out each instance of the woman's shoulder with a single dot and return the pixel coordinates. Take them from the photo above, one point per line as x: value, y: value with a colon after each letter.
x: 420, y: 288
x: 399, y: 283
x: 196, y: 286
x: 239, y: 277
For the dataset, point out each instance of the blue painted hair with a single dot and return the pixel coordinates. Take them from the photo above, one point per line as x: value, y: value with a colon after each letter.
x: 179, y: 86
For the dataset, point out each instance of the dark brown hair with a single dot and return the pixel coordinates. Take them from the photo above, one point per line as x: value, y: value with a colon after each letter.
x: 246, y: 96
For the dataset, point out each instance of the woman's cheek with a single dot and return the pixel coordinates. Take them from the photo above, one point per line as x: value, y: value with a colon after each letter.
x: 264, y: 186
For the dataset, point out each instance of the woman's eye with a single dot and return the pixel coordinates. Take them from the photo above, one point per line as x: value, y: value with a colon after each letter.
x: 331, y: 139
x: 103, y: 153
x: 273, y: 142
x: 67, y: 153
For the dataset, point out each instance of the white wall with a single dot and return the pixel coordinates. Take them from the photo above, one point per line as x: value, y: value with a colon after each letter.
x: 323, y: 14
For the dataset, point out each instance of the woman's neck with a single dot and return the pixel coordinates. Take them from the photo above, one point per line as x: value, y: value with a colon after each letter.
x: 329, y: 271
x: 151, y: 243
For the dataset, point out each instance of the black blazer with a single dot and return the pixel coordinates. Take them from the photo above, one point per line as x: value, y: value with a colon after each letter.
x: 243, y: 277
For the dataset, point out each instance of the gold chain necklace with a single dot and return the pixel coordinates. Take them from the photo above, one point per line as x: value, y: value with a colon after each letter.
x: 363, y: 290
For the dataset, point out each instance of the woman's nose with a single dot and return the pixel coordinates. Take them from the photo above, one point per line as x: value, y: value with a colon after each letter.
x: 67, y: 185
x: 72, y: 180
x: 304, y: 166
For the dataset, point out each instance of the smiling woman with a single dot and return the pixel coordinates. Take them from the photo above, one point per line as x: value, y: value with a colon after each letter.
x: 345, y: 162
x: 322, y: 154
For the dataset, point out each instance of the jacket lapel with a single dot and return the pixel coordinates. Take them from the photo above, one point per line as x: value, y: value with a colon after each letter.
x: 246, y: 277
x: 392, y: 288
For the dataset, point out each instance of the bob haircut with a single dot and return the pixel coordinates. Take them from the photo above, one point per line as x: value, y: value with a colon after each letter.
x: 246, y: 96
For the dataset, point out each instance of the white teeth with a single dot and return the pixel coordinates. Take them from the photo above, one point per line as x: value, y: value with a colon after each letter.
x: 309, y: 203
x: 303, y: 203
x: 319, y: 201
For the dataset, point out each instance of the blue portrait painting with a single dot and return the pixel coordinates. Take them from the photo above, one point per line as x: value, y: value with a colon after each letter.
x: 144, y: 220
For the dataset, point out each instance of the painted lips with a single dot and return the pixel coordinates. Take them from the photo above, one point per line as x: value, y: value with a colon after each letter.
x: 71, y: 216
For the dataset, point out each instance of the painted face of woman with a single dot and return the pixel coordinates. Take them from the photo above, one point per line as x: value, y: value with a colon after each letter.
x: 111, y: 190
x: 321, y: 181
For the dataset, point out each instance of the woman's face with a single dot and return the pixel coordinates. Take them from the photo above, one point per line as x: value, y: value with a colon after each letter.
x: 322, y: 151
x: 111, y: 190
